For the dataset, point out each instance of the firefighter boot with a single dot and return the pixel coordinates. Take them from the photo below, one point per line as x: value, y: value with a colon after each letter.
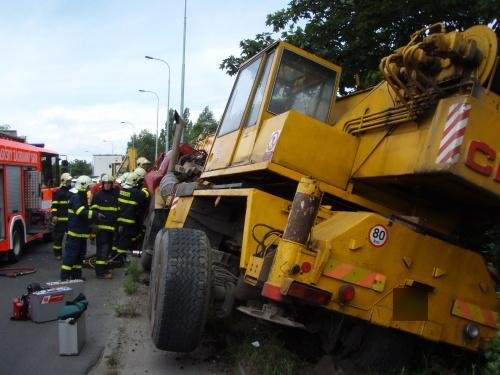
x: 76, y: 272
x: 57, y: 252
x: 101, y: 270
x: 66, y: 272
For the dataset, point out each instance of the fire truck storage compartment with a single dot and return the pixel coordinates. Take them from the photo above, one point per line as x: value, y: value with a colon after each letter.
x: 14, y: 191
x: 35, y: 216
x: 32, y: 186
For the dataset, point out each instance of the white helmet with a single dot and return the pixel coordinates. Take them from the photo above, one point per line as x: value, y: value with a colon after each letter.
x: 105, y: 178
x: 121, y: 179
x: 141, y: 172
x: 83, y: 183
x: 142, y: 161
x: 65, y: 178
x: 132, y: 179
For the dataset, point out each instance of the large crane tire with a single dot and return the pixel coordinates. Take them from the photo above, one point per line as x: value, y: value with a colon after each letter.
x: 179, y: 288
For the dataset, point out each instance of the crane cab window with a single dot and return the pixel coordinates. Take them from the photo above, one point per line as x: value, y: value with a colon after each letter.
x: 239, y: 98
x: 303, y: 85
x: 259, y: 92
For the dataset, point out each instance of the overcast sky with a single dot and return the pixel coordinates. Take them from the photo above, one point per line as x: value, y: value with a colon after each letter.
x: 70, y: 70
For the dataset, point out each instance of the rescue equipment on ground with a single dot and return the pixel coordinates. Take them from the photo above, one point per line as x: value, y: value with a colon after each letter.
x: 20, y: 308
x: 74, y: 308
x: 17, y: 271
x: 44, y: 303
x: 72, y: 327
x: 20, y: 305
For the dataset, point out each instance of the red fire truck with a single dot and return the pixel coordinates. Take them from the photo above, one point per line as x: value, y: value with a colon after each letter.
x: 28, y: 176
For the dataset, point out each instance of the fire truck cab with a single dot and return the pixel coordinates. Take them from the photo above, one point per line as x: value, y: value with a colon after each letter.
x: 28, y: 176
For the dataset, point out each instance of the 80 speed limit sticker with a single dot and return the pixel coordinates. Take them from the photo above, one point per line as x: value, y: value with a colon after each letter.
x: 378, y: 235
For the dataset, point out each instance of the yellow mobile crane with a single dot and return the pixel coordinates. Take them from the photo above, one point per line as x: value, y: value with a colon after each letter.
x: 355, y: 206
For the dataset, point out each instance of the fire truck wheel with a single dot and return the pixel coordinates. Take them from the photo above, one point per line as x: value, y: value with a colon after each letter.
x: 17, y: 245
x: 179, y: 288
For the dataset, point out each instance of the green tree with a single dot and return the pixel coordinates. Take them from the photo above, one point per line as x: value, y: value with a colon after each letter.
x: 357, y: 34
x: 204, y: 126
x: 188, y: 125
x: 171, y: 127
x: 145, y: 144
x: 249, y: 47
x: 78, y: 167
x: 145, y: 140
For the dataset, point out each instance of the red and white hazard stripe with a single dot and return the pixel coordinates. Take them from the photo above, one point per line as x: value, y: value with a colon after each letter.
x: 174, y: 203
x: 453, y: 134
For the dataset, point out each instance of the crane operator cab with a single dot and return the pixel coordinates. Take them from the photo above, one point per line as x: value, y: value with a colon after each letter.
x: 279, y: 79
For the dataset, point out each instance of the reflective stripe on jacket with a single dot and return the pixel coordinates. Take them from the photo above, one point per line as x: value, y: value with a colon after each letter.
x: 60, y: 202
x: 105, y: 202
x: 129, y: 202
x: 80, y: 215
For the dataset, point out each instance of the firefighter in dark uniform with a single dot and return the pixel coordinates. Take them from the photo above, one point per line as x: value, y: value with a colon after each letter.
x: 142, y: 210
x: 105, y: 202
x: 59, y: 211
x: 130, y: 199
x: 80, y: 217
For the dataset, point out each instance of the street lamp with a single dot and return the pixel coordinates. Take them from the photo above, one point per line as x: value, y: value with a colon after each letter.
x: 167, y: 124
x: 183, y: 65
x: 133, y: 135
x: 112, y: 149
x: 157, y: 111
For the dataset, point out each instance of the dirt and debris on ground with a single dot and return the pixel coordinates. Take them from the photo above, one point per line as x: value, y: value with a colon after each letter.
x: 130, y: 350
x: 242, y: 345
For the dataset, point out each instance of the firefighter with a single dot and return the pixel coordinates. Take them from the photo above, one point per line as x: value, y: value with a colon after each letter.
x: 130, y: 199
x: 80, y: 217
x: 105, y: 202
x: 144, y: 163
x: 142, y: 209
x: 59, y: 212
x: 120, y: 180
x: 141, y: 172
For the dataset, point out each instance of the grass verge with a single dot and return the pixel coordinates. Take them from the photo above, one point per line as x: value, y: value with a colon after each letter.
x: 266, y: 356
x: 126, y: 311
x: 132, y: 277
x: 258, y: 347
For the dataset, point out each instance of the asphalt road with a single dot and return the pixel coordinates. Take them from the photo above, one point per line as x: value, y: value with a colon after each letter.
x: 27, y: 347
x: 33, y: 348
